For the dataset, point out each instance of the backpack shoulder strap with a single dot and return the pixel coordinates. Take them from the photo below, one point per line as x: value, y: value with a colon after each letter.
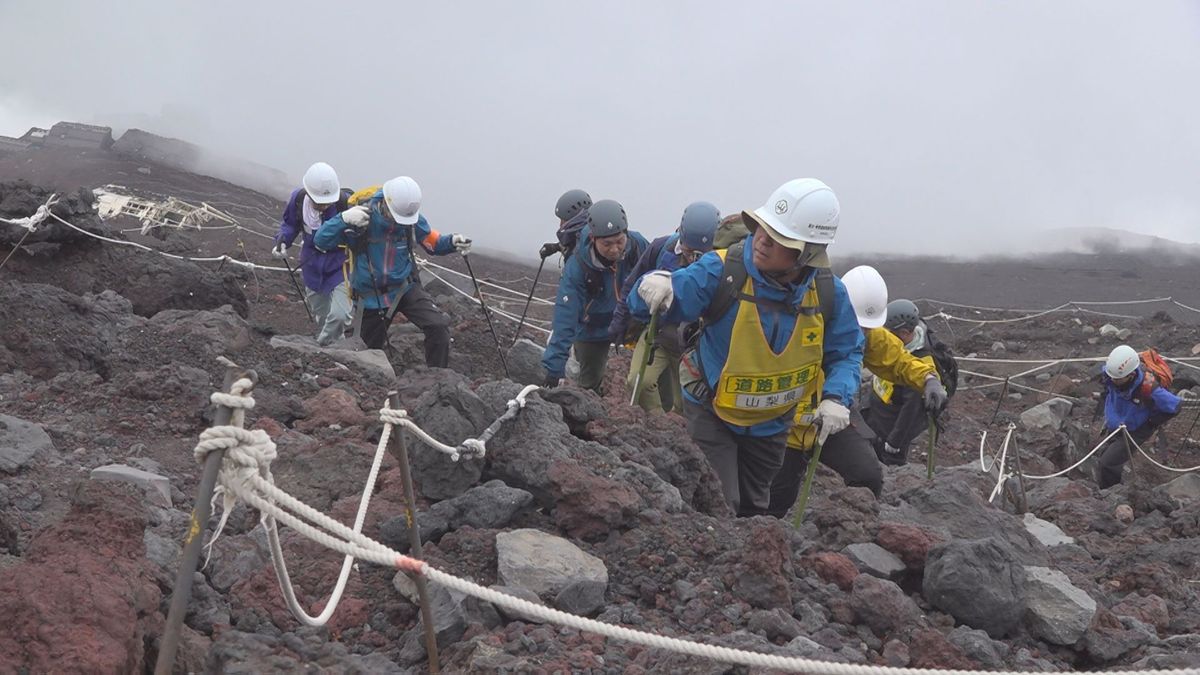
x: 733, y: 277
x: 825, y: 292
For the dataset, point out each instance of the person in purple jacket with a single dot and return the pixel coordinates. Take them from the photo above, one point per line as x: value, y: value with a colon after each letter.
x: 326, y: 292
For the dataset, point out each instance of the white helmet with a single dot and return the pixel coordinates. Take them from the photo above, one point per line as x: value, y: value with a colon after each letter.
x: 403, y: 198
x: 801, y: 211
x: 868, y: 295
x: 1122, y: 361
x: 321, y: 183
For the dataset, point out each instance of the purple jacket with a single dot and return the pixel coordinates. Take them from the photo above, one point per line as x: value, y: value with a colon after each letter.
x: 322, y: 272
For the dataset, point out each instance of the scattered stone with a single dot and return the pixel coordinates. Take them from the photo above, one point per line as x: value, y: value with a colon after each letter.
x: 1046, y: 532
x: 1124, y: 334
x: 452, y: 612
x: 1184, y: 488
x: 1043, y: 377
x: 331, y: 407
x: 882, y: 605
x: 978, y: 646
x: 1149, y: 609
x: 373, y: 362
x: 157, y: 488
x: 835, y: 568
x: 516, y: 614
x: 1109, y: 637
x: 1049, y: 415
x: 1088, y: 330
x: 1109, y: 330
x: 774, y: 624
x: 1056, y: 610
x: 525, y: 362
x: 909, y: 542
x: 582, y: 597
x: 489, y: 506
x: 874, y: 560
x: 998, y: 347
x: 20, y: 442
x: 978, y: 582
x: 544, y: 563
x: 1124, y: 514
x: 1196, y: 349
x: 895, y: 654
x: 451, y: 413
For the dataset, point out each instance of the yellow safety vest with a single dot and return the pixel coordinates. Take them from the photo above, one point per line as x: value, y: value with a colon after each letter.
x: 757, y: 385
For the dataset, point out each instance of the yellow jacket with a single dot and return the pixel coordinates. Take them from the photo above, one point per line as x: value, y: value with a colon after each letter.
x: 885, y: 356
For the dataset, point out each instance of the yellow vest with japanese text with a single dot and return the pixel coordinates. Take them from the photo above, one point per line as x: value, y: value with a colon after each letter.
x: 757, y: 385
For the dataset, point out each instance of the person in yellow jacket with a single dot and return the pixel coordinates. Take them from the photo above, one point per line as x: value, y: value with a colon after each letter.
x: 850, y: 452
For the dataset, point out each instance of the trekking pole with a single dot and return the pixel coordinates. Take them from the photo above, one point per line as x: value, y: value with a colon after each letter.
x: 651, y: 334
x: 525, y: 312
x: 400, y: 449
x: 809, y: 474
x: 932, y: 444
x: 486, y: 314
x: 296, y: 284
x: 201, y: 510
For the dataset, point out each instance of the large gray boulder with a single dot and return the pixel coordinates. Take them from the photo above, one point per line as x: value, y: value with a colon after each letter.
x: 20, y: 442
x: 1052, y: 415
x: 875, y: 560
x: 372, y: 362
x: 544, y: 563
x: 978, y: 582
x: 489, y: 506
x: 451, y: 413
x: 1046, y: 532
x: 1056, y: 610
x: 156, y: 487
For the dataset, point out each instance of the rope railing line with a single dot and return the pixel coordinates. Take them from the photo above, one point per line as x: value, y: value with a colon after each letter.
x: 425, y: 262
x: 493, y: 310
x: 1065, y: 306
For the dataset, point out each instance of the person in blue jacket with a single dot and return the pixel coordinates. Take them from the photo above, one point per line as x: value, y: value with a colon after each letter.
x: 1133, y: 397
x: 660, y: 387
x: 320, y: 198
x: 587, y: 295
x: 382, y: 235
x: 769, y: 349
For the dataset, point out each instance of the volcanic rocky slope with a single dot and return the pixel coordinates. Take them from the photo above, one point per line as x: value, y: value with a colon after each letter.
x: 108, y: 357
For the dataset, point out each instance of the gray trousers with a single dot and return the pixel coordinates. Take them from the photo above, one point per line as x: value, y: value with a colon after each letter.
x: 746, y: 465
x: 331, y: 311
x: 592, y: 357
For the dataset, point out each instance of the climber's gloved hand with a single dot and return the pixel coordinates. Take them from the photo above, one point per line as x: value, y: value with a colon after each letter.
x: 357, y: 216
x: 280, y: 251
x: 833, y: 417
x: 549, y: 249
x: 655, y: 288
x: 462, y: 243
x: 890, y: 449
x: 935, y: 395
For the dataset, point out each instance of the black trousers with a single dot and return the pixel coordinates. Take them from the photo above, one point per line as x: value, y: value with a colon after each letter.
x: 417, y: 306
x: 847, y: 452
x: 1110, y: 461
x: 898, y: 423
x: 746, y: 465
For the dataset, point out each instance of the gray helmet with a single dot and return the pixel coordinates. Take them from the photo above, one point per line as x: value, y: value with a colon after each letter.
x: 902, y: 314
x: 606, y: 218
x: 571, y: 203
x: 699, y: 226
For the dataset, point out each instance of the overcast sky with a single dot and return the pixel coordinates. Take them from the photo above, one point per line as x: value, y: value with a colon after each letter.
x: 945, y: 126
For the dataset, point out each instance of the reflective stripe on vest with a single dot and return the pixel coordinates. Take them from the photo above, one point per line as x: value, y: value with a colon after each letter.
x: 757, y: 385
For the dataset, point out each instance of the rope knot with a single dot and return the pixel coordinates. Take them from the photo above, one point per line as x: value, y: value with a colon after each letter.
x: 393, y: 415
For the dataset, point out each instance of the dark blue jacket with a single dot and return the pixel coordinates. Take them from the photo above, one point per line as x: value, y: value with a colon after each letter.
x: 583, y: 315
x: 382, y: 260
x: 322, y: 271
x: 1127, y: 405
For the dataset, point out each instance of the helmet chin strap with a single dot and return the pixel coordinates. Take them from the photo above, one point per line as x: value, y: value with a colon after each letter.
x: 809, y: 253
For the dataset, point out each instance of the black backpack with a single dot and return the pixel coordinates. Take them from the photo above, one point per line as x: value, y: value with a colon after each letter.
x: 944, y: 361
x: 733, y: 277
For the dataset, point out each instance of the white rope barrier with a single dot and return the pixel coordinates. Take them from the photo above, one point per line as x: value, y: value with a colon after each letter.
x: 492, y: 309
x: 1069, y: 306
x: 424, y: 262
x: 32, y: 222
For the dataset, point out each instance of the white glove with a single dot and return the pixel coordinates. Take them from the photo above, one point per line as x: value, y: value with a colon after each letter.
x: 833, y: 416
x: 462, y: 243
x: 887, y: 447
x: 280, y: 251
x: 356, y: 216
x: 656, y: 290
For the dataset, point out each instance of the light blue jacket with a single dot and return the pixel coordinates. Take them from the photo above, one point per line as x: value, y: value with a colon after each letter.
x: 1129, y: 407
x: 382, y: 260
x: 694, y: 287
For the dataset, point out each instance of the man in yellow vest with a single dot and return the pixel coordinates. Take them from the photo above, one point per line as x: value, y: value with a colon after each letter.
x: 765, y: 340
x: 849, y: 452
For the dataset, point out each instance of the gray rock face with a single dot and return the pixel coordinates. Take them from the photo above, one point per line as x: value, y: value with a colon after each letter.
x: 1049, y: 415
x: 977, y: 582
x: 977, y: 645
x: 875, y: 560
x: 883, y: 605
x: 1056, y: 611
x: 373, y: 362
x: 525, y: 362
x: 774, y: 624
x: 451, y: 413
x: 206, y: 608
x: 240, y: 653
x: 543, y: 563
x: 236, y: 557
x: 157, y: 488
x: 451, y: 611
x: 489, y: 506
x: 222, y: 330
x: 515, y: 614
x: 1186, y: 487
x: 1046, y: 532
x: 20, y: 442
x: 583, y: 597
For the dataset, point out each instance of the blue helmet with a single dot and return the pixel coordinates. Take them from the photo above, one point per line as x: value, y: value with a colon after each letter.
x: 699, y: 226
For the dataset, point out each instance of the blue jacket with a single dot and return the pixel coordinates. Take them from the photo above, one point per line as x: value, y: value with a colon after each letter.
x: 322, y: 271
x: 382, y: 261
x: 578, y: 315
x: 1125, y: 406
x: 660, y: 255
x: 694, y: 287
